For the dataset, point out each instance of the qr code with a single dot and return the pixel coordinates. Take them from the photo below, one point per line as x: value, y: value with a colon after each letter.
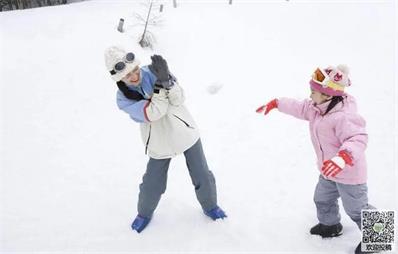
x: 377, y: 230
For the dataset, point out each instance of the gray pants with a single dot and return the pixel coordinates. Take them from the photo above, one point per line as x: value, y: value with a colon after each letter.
x: 154, y: 181
x: 353, y: 197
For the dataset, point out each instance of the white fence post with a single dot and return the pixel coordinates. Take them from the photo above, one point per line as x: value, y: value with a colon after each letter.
x: 120, y: 27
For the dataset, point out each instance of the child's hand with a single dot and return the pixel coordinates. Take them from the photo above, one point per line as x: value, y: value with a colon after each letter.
x: 268, y: 107
x: 335, y: 165
x: 159, y: 68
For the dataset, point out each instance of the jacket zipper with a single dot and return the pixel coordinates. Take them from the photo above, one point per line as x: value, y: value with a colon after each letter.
x: 189, y: 126
x: 147, y: 142
x: 319, y: 143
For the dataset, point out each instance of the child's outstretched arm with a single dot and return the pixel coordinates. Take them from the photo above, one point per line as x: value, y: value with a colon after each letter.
x: 298, y: 109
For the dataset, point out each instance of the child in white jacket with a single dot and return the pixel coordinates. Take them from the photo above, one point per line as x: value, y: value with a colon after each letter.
x: 152, y: 97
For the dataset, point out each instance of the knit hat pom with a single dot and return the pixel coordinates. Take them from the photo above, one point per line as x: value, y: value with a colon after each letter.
x: 343, y: 68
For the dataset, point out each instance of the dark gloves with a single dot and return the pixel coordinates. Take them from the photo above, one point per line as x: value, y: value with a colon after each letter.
x: 160, y: 69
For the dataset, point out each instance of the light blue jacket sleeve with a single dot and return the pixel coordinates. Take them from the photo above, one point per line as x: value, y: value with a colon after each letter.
x: 135, y: 109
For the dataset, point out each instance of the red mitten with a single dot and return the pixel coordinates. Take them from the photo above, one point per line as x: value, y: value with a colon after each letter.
x: 268, y: 107
x: 335, y: 165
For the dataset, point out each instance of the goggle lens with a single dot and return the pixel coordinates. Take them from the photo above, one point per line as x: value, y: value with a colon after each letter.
x: 130, y: 57
x: 318, y: 75
x: 120, y: 66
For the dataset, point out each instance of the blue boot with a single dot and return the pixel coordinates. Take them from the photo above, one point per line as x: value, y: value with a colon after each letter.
x: 140, y: 223
x: 216, y: 213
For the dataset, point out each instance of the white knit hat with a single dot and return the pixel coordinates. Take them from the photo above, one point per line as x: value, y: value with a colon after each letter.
x: 115, y: 54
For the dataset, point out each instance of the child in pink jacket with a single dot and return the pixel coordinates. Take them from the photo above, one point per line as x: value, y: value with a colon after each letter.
x: 339, y: 138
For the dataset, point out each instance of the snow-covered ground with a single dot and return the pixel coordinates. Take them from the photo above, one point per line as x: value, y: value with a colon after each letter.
x: 71, y: 162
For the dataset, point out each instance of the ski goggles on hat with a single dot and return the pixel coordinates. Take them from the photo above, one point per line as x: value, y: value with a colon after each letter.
x: 121, y: 65
x: 322, y: 78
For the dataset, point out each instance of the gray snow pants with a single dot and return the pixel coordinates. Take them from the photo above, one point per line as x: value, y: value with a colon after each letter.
x: 353, y: 197
x: 154, y: 181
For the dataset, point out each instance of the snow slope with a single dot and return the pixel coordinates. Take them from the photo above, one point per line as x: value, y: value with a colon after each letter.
x: 71, y: 162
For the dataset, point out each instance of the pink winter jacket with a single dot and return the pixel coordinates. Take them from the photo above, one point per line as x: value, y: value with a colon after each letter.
x: 340, y: 129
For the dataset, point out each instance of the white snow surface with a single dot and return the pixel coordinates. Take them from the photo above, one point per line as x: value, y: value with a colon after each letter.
x: 71, y: 161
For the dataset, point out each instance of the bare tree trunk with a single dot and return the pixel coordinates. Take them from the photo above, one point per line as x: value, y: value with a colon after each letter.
x: 25, y: 4
x: 230, y: 1
x: 175, y: 3
x: 10, y: 5
x: 147, y: 18
x: 3, y: 4
x: 146, y: 25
